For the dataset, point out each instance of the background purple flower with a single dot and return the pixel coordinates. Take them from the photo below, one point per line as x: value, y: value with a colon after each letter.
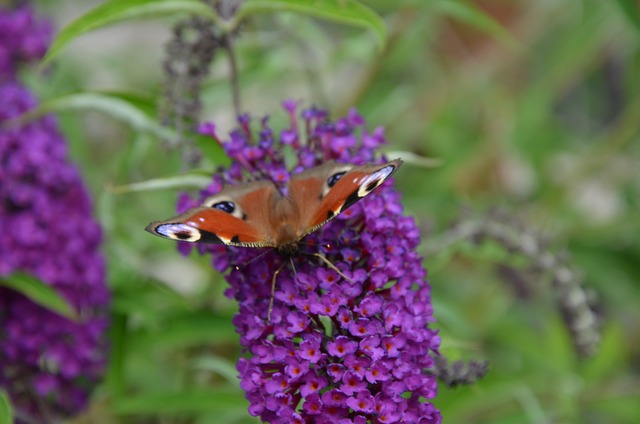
x: 335, y: 349
x: 23, y: 38
x: 48, y: 364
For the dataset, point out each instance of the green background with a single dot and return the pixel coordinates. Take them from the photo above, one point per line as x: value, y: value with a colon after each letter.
x: 530, y: 108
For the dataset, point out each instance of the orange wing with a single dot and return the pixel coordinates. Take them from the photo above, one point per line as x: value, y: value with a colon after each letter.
x: 257, y: 215
x: 238, y: 216
x: 323, y: 192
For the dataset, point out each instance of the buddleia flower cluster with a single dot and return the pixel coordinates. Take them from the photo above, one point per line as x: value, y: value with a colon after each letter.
x: 48, y: 363
x: 344, y: 345
x: 23, y: 38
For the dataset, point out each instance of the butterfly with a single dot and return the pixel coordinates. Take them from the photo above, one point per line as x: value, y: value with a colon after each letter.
x: 257, y: 214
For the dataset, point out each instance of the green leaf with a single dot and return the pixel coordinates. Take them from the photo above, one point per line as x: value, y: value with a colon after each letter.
x: 631, y: 10
x: 211, y: 149
x: 39, y: 292
x: 117, y: 11
x: 349, y: 12
x: 479, y: 20
x: 188, y: 180
x: 620, y: 408
x: 115, y: 378
x: 110, y: 105
x: 220, y: 366
x: 6, y: 412
x: 190, y: 329
x: 611, y: 357
x: 215, y: 400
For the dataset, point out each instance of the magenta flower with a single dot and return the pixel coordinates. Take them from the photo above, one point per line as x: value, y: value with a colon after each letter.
x: 335, y: 349
x: 48, y: 364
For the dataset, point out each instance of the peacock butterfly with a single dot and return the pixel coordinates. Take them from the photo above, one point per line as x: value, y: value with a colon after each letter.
x: 257, y: 214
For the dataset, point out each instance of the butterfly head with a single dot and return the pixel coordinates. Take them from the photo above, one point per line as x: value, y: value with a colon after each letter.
x: 290, y: 250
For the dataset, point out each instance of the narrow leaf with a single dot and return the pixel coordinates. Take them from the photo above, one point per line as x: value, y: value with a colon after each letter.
x: 480, y: 20
x: 192, y: 329
x: 6, y: 412
x: 39, y: 292
x: 110, y: 105
x: 116, y: 11
x: 220, y: 366
x: 217, y: 401
x: 348, y: 12
x: 190, y: 180
x: 631, y: 9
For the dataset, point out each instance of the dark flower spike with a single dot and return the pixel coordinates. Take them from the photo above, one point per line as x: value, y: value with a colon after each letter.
x: 48, y: 364
x: 573, y: 300
x: 459, y: 373
x: 347, y: 339
x: 189, y: 54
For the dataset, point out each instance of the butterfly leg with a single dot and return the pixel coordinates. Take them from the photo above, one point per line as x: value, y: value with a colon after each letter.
x: 273, y: 291
x: 293, y: 267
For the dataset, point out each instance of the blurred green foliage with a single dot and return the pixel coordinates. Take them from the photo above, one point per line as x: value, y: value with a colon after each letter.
x: 530, y: 107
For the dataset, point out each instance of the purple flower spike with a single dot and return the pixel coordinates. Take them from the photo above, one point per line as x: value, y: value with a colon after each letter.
x: 48, y: 363
x: 23, y: 38
x: 351, y: 346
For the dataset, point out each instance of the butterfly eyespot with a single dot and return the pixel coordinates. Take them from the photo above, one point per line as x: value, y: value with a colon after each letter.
x: 371, y: 182
x: 332, y: 180
x: 226, y: 206
x: 177, y: 231
x: 372, y: 185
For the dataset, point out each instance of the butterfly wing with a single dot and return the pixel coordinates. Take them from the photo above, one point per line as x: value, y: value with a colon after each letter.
x: 237, y: 216
x: 323, y: 192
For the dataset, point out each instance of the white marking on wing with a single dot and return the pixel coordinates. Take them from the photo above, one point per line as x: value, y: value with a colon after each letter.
x: 377, y: 177
x: 171, y: 231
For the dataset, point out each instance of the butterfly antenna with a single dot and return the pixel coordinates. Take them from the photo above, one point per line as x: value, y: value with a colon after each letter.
x: 273, y: 291
x: 306, y: 243
x: 332, y: 266
x: 237, y: 267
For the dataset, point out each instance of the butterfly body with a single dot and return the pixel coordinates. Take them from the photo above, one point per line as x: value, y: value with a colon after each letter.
x: 257, y: 214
